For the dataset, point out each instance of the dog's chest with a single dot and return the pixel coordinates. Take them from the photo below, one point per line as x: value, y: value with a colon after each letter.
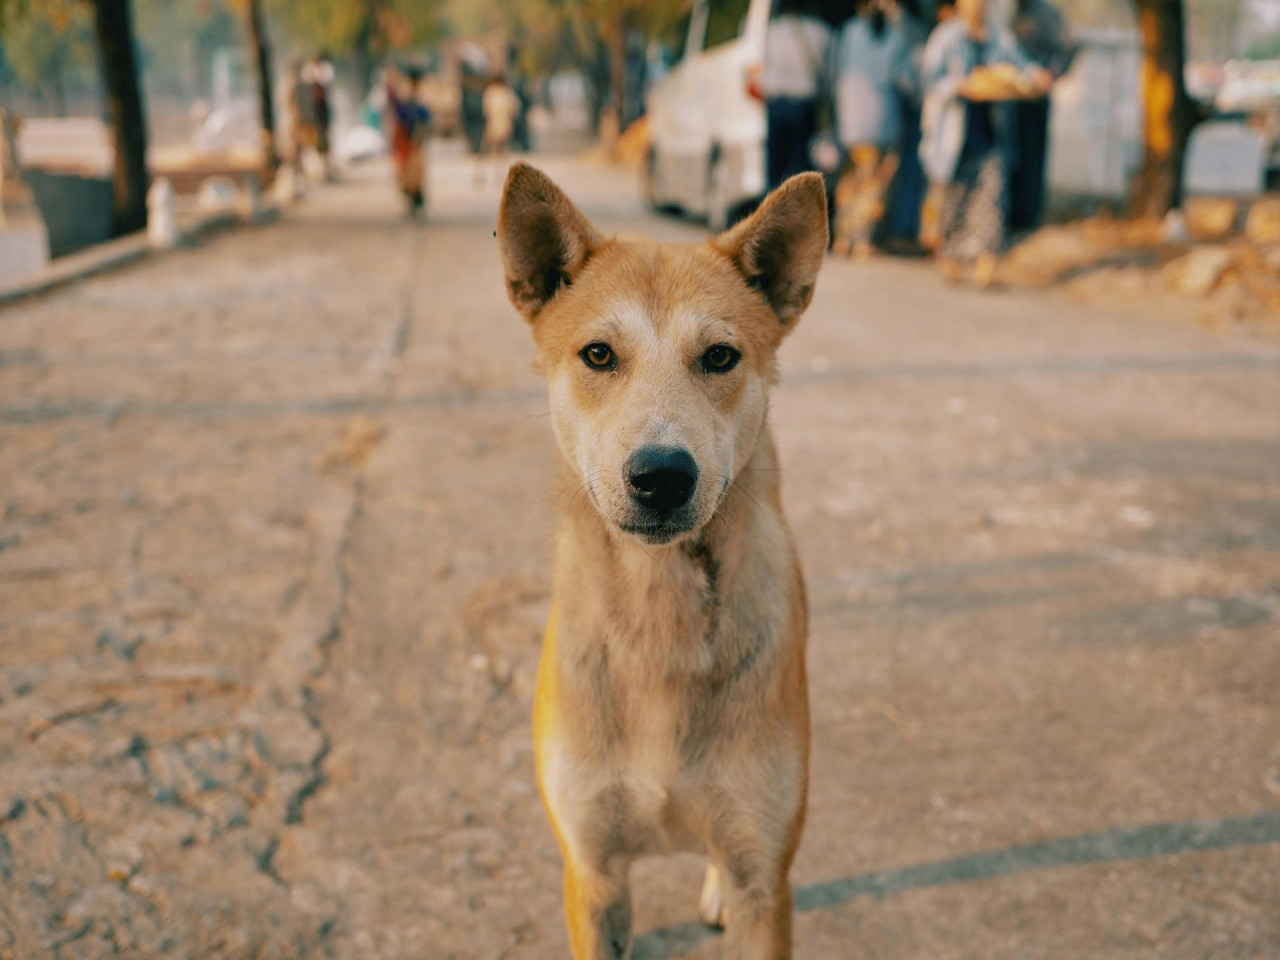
x: 652, y: 682
x: 643, y: 791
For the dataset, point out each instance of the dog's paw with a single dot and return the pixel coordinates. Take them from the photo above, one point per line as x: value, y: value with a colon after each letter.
x: 711, y: 907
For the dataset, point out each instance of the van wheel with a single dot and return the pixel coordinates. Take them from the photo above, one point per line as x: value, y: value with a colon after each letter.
x: 649, y: 180
x: 649, y: 186
x: 719, y: 209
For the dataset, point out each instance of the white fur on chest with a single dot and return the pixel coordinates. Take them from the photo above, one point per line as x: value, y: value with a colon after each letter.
x: 647, y: 770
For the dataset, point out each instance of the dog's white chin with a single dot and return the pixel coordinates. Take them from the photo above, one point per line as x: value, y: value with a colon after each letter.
x: 653, y: 534
x: 658, y: 536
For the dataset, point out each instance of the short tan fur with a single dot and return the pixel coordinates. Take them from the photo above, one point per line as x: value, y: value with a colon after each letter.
x: 671, y: 710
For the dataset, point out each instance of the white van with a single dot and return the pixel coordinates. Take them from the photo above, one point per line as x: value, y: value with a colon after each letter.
x: 706, y: 116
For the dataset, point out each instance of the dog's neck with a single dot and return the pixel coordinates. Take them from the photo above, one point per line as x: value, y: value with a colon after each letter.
x: 667, y: 600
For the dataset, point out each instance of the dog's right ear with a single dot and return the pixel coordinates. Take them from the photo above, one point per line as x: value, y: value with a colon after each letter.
x: 780, y: 248
x: 545, y: 241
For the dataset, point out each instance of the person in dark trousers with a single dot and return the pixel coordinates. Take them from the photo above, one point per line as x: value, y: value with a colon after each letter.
x: 974, y: 72
x: 476, y: 72
x: 907, y: 193
x: 1048, y: 44
x: 318, y: 76
x: 301, y: 116
x: 795, y: 59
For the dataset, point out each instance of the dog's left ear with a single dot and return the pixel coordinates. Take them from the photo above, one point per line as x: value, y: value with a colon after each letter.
x: 779, y: 248
x: 544, y: 240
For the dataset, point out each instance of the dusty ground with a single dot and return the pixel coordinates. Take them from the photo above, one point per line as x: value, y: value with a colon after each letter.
x: 273, y: 550
x: 1230, y: 279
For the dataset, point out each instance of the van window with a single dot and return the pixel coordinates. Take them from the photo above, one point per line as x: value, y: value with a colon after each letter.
x: 725, y: 21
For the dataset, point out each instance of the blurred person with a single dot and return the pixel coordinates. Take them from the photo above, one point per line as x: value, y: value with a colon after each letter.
x: 318, y: 76
x: 1048, y: 44
x: 944, y: 11
x: 519, y: 82
x: 302, y: 114
x: 474, y: 76
x: 973, y: 72
x: 796, y: 49
x: 907, y: 192
x: 501, y: 106
x: 871, y: 67
x: 410, y: 125
x: 291, y: 132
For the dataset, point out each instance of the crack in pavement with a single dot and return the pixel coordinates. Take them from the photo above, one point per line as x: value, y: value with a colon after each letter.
x: 310, y: 705
x: 397, y: 342
x: 85, y: 914
x: 210, y: 782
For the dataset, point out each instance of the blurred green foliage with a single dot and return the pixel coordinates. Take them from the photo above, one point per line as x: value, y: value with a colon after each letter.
x: 48, y: 45
x: 369, y: 28
x: 178, y: 38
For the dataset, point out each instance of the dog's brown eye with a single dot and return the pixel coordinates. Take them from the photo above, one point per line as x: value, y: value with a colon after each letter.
x: 598, y: 356
x: 720, y: 359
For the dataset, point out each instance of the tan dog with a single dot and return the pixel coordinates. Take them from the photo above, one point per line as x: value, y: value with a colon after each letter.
x: 671, y: 709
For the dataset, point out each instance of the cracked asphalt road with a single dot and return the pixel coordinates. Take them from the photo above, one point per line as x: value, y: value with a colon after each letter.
x: 273, y: 571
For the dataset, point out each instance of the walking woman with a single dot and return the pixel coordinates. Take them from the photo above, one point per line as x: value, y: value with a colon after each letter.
x: 872, y: 71
x: 410, y: 124
x: 973, y: 73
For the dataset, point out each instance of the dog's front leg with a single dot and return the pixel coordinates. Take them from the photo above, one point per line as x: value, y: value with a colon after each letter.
x: 598, y: 903
x: 751, y: 856
x: 756, y: 915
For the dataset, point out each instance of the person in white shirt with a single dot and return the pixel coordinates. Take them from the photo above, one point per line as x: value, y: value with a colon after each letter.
x: 501, y: 106
x: 795, y: 58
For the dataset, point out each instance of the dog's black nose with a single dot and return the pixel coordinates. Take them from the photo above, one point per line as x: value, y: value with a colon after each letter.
x: 661, y: 478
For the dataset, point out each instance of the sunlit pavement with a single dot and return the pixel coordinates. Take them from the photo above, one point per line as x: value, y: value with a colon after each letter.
x: 273, y: 570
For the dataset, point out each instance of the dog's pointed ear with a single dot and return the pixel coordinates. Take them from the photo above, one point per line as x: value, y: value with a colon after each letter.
x: 779, y: 248
x: 545, y: 241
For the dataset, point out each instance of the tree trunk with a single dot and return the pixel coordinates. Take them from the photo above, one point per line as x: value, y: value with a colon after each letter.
x: 260, y: 48
x: 58, y: 77
x: 597, y: 69
x: 8, y: 155
x: 1168, y: 113
x: 362, y: 59
x: 618, y: 64
x: 59, y: 90
x: 113, y: 24
x: 367, y: 47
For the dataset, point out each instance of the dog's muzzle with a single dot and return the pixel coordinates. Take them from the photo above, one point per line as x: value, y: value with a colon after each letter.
x: 661, y: 479
x: 660, y: 482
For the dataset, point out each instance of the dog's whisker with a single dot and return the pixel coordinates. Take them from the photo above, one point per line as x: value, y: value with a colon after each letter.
x: 576, y: 485
x: 584, y: 485
x: 736, y: 484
